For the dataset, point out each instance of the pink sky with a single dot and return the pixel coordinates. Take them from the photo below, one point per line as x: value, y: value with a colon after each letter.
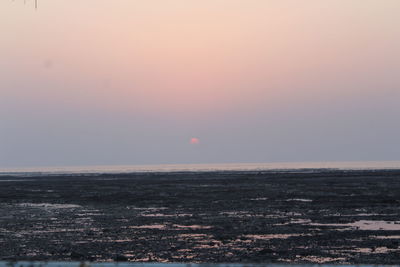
x: 255, y: 80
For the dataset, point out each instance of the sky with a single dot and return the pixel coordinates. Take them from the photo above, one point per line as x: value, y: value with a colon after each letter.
x: 104, y: 82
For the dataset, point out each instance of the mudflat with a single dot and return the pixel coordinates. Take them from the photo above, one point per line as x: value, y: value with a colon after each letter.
x: 319, y: 216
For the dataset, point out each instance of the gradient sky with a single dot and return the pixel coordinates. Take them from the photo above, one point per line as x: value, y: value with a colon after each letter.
x: 96, y: 82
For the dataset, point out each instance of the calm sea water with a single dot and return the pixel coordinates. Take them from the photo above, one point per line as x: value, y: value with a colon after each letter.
x: 304, y: 166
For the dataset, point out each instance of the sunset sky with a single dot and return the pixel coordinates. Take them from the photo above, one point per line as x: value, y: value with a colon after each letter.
x: 96, y: 82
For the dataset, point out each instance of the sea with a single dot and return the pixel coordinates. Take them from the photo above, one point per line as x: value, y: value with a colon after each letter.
x: 228, y: 167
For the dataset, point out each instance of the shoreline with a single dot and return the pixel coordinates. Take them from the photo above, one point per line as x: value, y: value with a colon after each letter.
x: 208, y: 172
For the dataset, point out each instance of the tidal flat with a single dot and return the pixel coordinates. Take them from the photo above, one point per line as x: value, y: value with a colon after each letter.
x: 305, y: 216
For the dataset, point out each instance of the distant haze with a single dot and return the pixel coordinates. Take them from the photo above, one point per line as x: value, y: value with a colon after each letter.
x: 212, y: 81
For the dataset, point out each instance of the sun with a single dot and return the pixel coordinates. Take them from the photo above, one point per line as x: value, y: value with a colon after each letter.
x: 194, y: 141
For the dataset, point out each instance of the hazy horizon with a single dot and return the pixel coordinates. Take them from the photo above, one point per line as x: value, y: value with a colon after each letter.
x: 182, y: 82
x: 198, y: 167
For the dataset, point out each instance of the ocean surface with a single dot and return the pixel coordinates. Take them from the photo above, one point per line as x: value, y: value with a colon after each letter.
x: 296, y: 167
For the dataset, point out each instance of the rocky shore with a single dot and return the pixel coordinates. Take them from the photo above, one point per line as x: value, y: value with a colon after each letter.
x: 305, y: 216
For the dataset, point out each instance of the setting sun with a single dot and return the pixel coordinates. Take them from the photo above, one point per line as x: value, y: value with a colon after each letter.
x: 194, y: 141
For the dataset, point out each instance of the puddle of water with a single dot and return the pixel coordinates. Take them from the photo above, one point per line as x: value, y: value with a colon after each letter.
x: 274, y: 236
x: 359, y: 215
x: 151, y: 226
x: 184, y: 215
x: 241, y: 214
x: 317, y: 259
x: 184, y: 250
x: 365, y: 225
x: 164, y: 227
x: 300, y: 221
x: 122, y: 240
x: 49, y: 206
x: 165, y: 215
x: 152, y: 258
x: 192, y: 227
x: 156, y: 215
x: 194, y: 236
x: 89, y: 214
x: 51, y: 231
x: 386, y: 237
x: 295, y: 221
x: 377, y: 250
x: 209, y: 185
x: 147, y: 208
x: 377, y: 225
x: 206, y: 246
x: 299, y: 199
x: 17, y: 180
x: 288, y: 214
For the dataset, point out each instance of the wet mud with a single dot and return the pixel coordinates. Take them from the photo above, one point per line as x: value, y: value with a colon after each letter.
x: 318, y: 216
